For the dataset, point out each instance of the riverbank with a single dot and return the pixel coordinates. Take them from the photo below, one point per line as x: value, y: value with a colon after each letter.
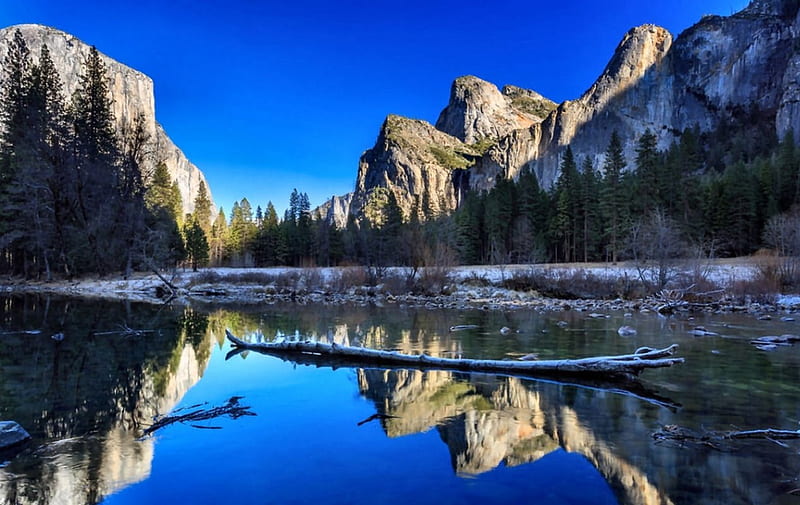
x: 719, y: 286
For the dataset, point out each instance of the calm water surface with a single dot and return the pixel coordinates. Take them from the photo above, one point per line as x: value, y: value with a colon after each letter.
x: 443, y: 438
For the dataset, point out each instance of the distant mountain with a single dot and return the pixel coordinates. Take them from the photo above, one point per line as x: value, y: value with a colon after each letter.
x: 131, y: 91
x: 722, y: 69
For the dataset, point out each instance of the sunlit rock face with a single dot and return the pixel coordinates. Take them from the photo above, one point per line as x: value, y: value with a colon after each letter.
x: 415, y: 162
x: 713, y: 71
x: 131, y: 91
x: 718, y: 70
x: 335, y: 211
x: 478, y: 110
x: 425, y: 167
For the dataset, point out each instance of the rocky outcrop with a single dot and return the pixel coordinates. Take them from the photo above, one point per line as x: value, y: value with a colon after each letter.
x: 131, y: 91
x: 479, y: 111
x: 425, y: 167
x: 335, y: 211
x: 713, y: 72
x: 721, y: 69
x: 417, y: 163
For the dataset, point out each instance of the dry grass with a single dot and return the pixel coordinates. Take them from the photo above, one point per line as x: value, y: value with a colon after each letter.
x: 567, y: 284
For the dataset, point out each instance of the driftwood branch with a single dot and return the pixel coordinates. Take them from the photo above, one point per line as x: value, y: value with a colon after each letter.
x: 717, y: 439
x: 623, y: 366
x: 231, y: 408
x: 171, y: 289
x: 125, y: 331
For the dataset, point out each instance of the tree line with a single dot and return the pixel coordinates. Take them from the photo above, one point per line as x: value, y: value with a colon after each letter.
x: 711, y: 193
x: 77, y: 195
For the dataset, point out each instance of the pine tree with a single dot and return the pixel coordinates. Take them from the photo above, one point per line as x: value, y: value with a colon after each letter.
x: 218, y: 239
x: 176, y: 202
x: 15, y: 151
x: 305, y: 233
x: 500, y: 208
x: 567, y: 194
x: 159, y: 189
x: 613, y: 198
x: 241, y: 233
x: 202, y: 208
x: 739, y: 229
x: 590, y: 209
x: 196, y: 243
x: 166, y: 247
x: 131, y: 218
x: 787, y: 167
x: 95, y: 177
x: 94, y: 117
x: 470, y: 236
x: 648, y: 172
x: 534, y: 205
x: 388, y: 233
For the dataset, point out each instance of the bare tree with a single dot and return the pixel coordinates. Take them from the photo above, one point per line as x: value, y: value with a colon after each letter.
x: 655, y: 245
x: 782, y: 234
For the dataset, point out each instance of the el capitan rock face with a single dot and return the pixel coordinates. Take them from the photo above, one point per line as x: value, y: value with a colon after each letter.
x: 716, y: 71
x: 131, y: 92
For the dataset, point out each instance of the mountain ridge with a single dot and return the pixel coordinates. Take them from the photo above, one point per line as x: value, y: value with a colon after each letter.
x: 714, y: 71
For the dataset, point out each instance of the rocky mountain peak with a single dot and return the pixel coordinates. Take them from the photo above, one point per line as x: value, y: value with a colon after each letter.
x: 131, y: 92
x: 414, y: 161
x: 478, y: 110
x: 640, y: 49
x: 783, y: 8
x: 722, y: 70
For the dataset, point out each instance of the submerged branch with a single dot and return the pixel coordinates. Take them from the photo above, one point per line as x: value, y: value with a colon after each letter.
x: 231, y: 409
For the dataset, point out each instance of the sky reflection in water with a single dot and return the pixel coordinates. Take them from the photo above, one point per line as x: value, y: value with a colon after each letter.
x: 305, y: 446
x: 453, y: 437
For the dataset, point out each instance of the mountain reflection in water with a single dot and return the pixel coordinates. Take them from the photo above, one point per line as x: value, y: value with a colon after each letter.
x: 472, y: 438
x: 487, y: 421
x: 85, y: 399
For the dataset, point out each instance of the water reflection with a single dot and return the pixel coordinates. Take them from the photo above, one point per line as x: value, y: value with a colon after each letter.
x: 85, y: 399
x: 487, y: 421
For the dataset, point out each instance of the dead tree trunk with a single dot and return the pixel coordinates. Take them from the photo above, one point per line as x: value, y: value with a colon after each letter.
x: 625, y: 366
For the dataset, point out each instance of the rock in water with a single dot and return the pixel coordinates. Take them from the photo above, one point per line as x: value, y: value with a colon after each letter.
x: 626, y: 331
x: 12, y: 434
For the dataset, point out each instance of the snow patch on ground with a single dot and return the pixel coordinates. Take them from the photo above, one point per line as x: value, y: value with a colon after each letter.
x: 788, y: 300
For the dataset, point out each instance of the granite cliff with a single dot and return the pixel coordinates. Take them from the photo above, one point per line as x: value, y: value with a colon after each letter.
x: 131, y: 91
x: 721, y: 69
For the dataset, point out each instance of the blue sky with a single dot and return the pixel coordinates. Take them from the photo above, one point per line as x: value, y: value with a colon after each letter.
x: 265, y: 97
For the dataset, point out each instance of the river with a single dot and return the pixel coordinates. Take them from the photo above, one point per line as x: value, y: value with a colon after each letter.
x: 353, y: 436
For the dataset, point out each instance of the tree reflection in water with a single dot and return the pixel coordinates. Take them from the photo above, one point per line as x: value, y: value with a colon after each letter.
x: 86, y: 398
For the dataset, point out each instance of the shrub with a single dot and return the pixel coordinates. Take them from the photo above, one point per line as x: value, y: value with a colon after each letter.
x: 568, y: 284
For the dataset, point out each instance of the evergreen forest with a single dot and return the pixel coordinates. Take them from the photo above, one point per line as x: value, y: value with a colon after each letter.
x: 78, y: 196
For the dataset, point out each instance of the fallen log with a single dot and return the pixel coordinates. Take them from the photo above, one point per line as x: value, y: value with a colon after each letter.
x: 626, y: 366
x: 720, y: 439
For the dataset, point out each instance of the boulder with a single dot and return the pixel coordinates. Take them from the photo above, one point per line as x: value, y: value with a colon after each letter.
x: 12, y: 434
